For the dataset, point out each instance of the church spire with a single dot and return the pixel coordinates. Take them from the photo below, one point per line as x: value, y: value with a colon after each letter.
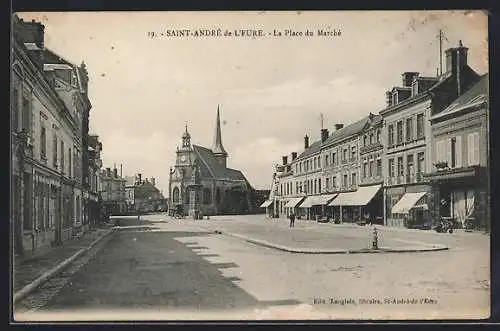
x: 217, y: 148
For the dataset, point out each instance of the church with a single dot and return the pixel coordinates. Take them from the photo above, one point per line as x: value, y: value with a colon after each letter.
x: 200, y: 183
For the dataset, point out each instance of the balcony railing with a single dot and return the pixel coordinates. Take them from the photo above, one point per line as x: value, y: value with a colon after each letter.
x: 407, y: 179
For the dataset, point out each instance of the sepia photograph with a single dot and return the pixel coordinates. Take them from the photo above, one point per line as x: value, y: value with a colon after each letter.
x: 249, y: 165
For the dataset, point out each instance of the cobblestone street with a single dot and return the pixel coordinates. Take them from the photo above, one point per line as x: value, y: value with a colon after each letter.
x: 181, y: 269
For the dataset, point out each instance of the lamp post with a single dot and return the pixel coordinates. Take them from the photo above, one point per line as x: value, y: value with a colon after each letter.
x: 21, y: 144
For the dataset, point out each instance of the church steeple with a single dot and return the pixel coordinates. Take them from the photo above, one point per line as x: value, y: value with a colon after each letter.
x: 186, y: 139
x: 217, y: 148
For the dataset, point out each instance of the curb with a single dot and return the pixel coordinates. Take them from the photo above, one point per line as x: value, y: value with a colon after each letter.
x: 28, y: 289
x: 429, y: 248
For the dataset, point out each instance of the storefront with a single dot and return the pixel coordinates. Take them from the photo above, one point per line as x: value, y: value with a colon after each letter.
x: 292, y: 206
x: 314, y: 206
x: 362, y: 204
x: 460, y: 194
x: 412, y: 208
x: 268, y: 205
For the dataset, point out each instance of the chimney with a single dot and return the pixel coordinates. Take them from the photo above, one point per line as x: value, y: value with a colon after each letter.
x: 139, y: 178
x: 108, y: 172
x: 306, y: 141
x: 461, y: 63
x: 153, y: 181
x: 338, y: 126
x: 388, y: 98
x: 408, y: 78
x: 451, y: 60
x: 294, y: 155
x: 115, y: 172
x: 324, y: 135
x: 285, y: 160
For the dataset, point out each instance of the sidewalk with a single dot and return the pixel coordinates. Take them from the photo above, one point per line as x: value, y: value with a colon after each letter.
x: 29, y: 269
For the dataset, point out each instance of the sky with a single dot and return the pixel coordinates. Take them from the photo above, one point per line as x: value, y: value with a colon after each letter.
x: 271, y: 90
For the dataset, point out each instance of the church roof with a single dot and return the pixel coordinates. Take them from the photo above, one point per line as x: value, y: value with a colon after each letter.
x: 210, y: 168
x: 218, y: 148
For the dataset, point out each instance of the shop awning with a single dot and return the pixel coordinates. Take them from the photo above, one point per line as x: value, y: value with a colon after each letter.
x: 317, y: 200
x: 266, y: 203
x: 407, y: 202
x: 361, y: 197
x: 294, y: 202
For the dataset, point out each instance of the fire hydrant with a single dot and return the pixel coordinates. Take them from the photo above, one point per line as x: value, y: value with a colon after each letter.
x: 375, y: 239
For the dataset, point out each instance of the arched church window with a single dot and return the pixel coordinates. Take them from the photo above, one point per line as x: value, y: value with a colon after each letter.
x: 175, y: 195
x: 207, y: 196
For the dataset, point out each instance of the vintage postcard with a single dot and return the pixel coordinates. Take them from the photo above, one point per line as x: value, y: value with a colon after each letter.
x: 297, y: 165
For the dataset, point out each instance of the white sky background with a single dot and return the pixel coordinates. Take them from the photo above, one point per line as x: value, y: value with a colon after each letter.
x: 271, y: 90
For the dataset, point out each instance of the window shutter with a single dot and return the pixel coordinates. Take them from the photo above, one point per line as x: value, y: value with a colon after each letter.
x: 470, y: 149
x: 458, y: 149
x: 439, y: 151
x: 448, y: 152
x: 476, y: 148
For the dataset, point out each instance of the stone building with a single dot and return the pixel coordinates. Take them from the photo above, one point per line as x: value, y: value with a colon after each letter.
x: 112, y: 193
x: 49, y: 109
x: 460, y: 175
x: 408, y: 137
x: 223, y: 190
x: 95, y: 165
x: 142, y: 194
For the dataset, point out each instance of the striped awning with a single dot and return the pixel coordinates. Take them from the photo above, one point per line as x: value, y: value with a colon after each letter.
x: 266, y: 203
x: 361, y: 197
x: 407, y: 202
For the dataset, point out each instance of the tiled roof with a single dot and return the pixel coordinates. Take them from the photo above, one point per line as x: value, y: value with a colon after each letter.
x: 210, y: 168
x: 313, y: 148
x: 476, y: 94
x: 347, y: 131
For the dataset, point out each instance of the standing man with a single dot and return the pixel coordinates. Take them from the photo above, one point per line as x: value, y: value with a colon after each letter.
x: 292, y: 220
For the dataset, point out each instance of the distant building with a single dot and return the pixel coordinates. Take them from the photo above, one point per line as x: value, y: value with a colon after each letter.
x: 112, y: 193
x: 95, y: 165
x: 143, y: 196
x: 223, y: 190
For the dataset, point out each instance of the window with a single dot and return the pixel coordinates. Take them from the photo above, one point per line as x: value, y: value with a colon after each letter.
x: 390, y: 141
x: 378, y: 136
x: 473, y: 148
x: 334, y: 182
x: 391, y: 168
x: 420, y: 126
x: 314, y: 163
x: 409, y: 166
x: 399, y: 129
x: 54, y: 150
x: 395, y: 97
x: 400, y: 166
x: 43, y: 142
x: 353, y: 153
x: 409, y: 129
x: 327, y: 182
x: 364, y: 141
x: 15, y: 109
x: 326, y: 160
x: 353, y: 180
x: 345, y: 154
x: 26, y: 115
x: 371, y: 138
x: 365, y: 169
x: 344, y: 184
x: 334, y: 158
x: 315, y: 186
x: 300, y: 167
x: 27, y: 202
x: 62, y: 156
x: 371, y: 171
x: 420, y: 162
x: 319, y: 185
x: 379, y: 167
x: 453, y: 143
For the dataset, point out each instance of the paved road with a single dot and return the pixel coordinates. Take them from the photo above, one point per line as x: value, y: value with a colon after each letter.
x: 186, y: 271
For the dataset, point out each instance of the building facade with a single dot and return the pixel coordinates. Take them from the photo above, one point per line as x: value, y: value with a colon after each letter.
x: 223, y: 190
x: 142, y: 195
x: 49, y: 101
x: 460, y: 174
x: 94, y: 165
x: 112, y: 193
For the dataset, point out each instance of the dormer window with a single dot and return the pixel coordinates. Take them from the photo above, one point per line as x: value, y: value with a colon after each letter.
x: 414, y: 88
x: 395, y: 97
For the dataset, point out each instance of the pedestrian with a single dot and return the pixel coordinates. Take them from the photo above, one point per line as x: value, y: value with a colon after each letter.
x: 292, y: 220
